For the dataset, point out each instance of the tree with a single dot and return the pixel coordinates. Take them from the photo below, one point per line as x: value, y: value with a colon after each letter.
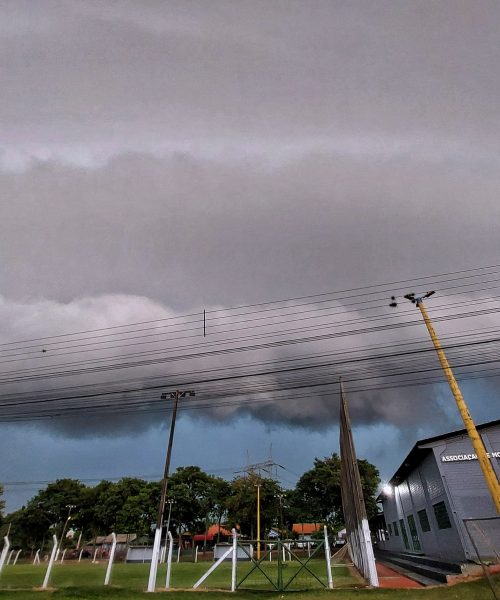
x: 242, y: 504
x: 317, y: 496
x: 189, y: 487
x: 2, y: 505
x: 219, y: 490
x: 127, y: 506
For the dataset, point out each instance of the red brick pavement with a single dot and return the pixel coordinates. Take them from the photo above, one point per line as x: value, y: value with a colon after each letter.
x: 388, y: 578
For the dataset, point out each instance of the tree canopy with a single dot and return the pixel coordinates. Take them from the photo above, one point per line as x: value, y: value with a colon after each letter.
x: 195, y: 499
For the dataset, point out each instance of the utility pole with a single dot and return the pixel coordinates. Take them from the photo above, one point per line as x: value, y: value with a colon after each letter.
x: 477, y: 442
x: 257, y: 485
x: 164, y: 486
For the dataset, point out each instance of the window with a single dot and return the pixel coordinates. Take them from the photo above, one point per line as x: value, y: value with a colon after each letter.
x: 442, y: 518
x: 413, y: 533
x: 389, y: 528
x: 424, y: 520
x: 395, y: 525
x: 404, y: 534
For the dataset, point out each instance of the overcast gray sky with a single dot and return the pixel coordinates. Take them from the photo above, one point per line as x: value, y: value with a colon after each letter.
x: 158, y: 158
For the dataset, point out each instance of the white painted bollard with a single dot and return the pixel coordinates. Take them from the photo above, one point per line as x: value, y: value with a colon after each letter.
x: 80, y: 555
x: 196, y: 554
x: 17, y: 556
x: 10, y: 556
x: 111, y: 559
x: 51, y: 563
x: 36, y: 560
x: 63, y: 555
x: 309, y: 549
x: 5, y: 549
x: 234, y: 560
x: 169, y: 559
x: 328, y: 561
x: 154, y: 561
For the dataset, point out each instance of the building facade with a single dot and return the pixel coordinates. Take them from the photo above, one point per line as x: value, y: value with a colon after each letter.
x: 438, y: 504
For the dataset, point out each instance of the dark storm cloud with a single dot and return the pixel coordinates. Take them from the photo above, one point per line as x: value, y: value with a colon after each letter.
x: 188, y: 232
x: 198, y: 155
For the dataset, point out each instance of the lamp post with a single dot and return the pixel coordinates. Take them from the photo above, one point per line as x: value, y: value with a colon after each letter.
x: 170, y: 502
x: 71, y: 507
x: 477, y: 442
x: 280, y: 499
x: 257, y: 485
x: 175, y: 396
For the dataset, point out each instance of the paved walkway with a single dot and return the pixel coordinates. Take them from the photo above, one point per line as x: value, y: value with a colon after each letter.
x: 388, y: 578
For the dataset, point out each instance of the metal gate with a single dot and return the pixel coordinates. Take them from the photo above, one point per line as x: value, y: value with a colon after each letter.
x: 281, y: 573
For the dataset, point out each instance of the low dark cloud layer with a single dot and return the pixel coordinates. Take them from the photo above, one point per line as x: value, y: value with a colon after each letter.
x: 160, y: 159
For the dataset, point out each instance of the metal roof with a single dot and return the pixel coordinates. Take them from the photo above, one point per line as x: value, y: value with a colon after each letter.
x: 423, y: 447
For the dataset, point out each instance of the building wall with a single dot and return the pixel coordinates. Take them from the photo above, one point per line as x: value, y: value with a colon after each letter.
x: 457, y: 490
x: 422, y: 489
x: 469, y: 495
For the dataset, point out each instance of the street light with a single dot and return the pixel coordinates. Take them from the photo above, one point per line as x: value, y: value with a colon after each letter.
x: 70, y: 506
x: 170, y: 502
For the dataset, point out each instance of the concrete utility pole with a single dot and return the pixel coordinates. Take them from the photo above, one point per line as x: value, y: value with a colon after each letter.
x: 477, y: 442
x: 164, y: 486
x: 257, y: 485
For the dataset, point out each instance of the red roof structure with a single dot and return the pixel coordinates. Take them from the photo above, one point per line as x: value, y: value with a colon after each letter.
x: 212, y: 532
x: 305, y: 528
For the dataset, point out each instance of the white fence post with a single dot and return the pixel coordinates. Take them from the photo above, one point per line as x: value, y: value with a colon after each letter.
x: 17, y: 556
x: 178, y: 554
x: 328, y: 561
x: 51, y: 563
x: 169, y: 559
x: 153, y: 570
x: 5, y: 549
x: 36, y: 560
x: 196, y: 554
x: 111, y: 559
x: 234, y: 560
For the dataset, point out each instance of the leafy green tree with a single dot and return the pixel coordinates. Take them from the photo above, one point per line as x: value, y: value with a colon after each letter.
x: 219, y: 491
x: 317, y: 496
x: 2, y: 505
x: 127, y: 506
x: 190, y: 488
x: 59, y: 506
x: 242, y: 504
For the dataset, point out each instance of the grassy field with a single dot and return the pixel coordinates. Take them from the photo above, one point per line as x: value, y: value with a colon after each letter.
x: 184, y: 575
x: 128, y: 582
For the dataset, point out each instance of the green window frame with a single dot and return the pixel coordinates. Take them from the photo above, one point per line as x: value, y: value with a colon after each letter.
x: 441, y: 514
x: 424, y: 520
x: 404, y: 534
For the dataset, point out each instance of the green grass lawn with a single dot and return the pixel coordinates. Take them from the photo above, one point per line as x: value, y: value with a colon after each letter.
x: 128, y: 582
